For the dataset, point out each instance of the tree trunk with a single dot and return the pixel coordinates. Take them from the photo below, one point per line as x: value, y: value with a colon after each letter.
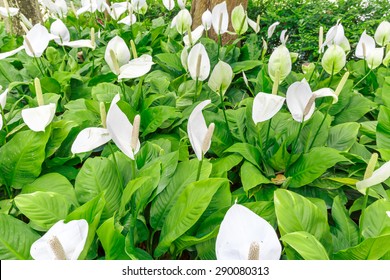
x: 200, y: 6
x: 30, y: 9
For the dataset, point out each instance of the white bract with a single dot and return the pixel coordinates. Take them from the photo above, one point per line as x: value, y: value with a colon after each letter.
x: 136, y: 67
x: 279, y: 61
x: 182, y: 4
x: 196, y: 34
x: 334, y: 60
x: 239, y: 20
x: 90, y: 138
x: 198, y: 132
x: 61, y: 242
x: 377, y: 177
x: 58, y: 7
x: 182, y: 21
x: 220, y: 18
x: 382, y: 33
x: 198, y: 63
x: 221, y: 77
x: 118, y: 9
x: 7, y: 11
x: 122, y: 131
x: 37, y: 40
x: 271, y: 29
x: 335, y: 36
x: 265, y: 106
x: 301, y: 100
x: 93, y: 6
x: 207, y: 20
x: 255, y: 25
x: 244, y: 235
x: 38, y: 118
x: 59, y: 29
x: 117, y: 54
x: 169, y: 4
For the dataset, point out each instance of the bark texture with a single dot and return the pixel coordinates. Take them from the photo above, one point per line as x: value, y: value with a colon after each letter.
x: 198, y: 7
x: 30, y: 9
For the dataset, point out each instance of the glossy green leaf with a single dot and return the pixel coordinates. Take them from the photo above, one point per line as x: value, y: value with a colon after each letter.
x: 343, y: 136
x: 376, y: 222
x: 251, y: 176
x: 383, y: 132
x: 247, y: 151
x: 306, y: 245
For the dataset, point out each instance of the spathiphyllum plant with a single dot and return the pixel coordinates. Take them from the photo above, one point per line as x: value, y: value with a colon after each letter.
x: 165, y: 130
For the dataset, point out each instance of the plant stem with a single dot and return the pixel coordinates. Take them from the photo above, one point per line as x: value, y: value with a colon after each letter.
x: 39, y: 67
x: 319, y: 128
x: 224, y: 114
x: 293, y: 147
x: 8, y: 191
x: 365, y: 76
x: 268, y: 131
x: 365, y: 201
x: 196, y: 89
x: 199, y: 169
x: 134, y: 168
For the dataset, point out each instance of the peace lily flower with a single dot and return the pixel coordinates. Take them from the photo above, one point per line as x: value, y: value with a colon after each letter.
x: 265, y: 106
x: 182, y: 21
x: 58, y: 7
x: 93, y: 6
x: 193, y: 36
x: 92, y: 137
x: 255, y: 25
x: 198, y: 132
x: 138, y: 5
x: 8, y: 11
x: 279, y: 61
x: 300, y: 99
x: 334, y: 59
x: 169, y: 4
x: 118, y: 9
x: 184, y: 57
x: 335, y: 36
x: 198, y: 63
x: 220, y: 18
x: 136, y: 67
x: 207, y: 20
x: 371, y: 177
x: 123, y: 133
x: 244, y: 235
x: 39, y: 117
x: 382, y: 33
x: 59, y: 29
x: 271, y: 29
x: 130, y: 19
x: 221, y: 77
x: 61, y: 242
x: 366, y: 49
x: 239, y: 20
x: 182, y: 4
x: 37, y: 40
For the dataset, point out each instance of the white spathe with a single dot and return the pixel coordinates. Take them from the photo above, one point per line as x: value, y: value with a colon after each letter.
x: 198, y: 63
x: 182, y: 21
x: 8, y: 13
x: 271, y: 29
x: 38, y: 118
x: 136, y: 67
x: 299, y: 95
x: 169, y: 4
x: 377, y: 177
x: 207, y: 20
x: 121, y: 129
x: 239, y: 229
x: 382, y: 33
x: 90, y: 138
x: 279, y: 60
x: 369, y: 52
x: 265, y: 106
x: 196, y: 34
x: 11, y: 53
x: 197, y: 130
x: 239, y: 20
x: 221, y: 77
x: 121, y: 51
x: 72, y: 237
x: 38, y: 38
x: 220, y: 18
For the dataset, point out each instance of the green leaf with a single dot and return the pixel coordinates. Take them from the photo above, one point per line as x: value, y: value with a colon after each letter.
x: 225, y: 164
x: 105, y: 92
x: 251, y: 176
x: 112, y: 240
x: 50, y: 85
x: 96, y: 176
x: 22, y: 158
x: 343, y: 136
x: 185, y: 174
x: 296, y: 213
x: 247, y: 151
x: 52, y: 182
x: 61, y: 129
x: 43, y: 209
x: 129, y: 191
x: 312, y: 165
x: 16, y: 239
x: 170, y: 63
x: 306, y: 245
x: 188, y: 208
x: 91, y: 212
x: 247, y: 65
x: 383, y: 132
x: 376, y: 222
x: 344, y: 223
x: 357, y: 107
x: 369, y: 249
x: 158, y: 117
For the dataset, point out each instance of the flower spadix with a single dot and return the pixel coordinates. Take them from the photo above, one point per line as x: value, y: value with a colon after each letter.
x: 61, y: 242
x: 198, y: 132
x: 220, y: 18
x: 59, y: 29
x: 265, y: 106
x: 38, y: 118
x: 198, y: 63
x: 243, y: 235
x: 371, y: 177
x: 301, y: 100
x: 123, y: 133
x: 221, y: 77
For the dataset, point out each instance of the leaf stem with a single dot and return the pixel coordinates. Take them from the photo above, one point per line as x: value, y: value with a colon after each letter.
x: 199, y: 169
x: 364, y: 206
x: 293, y: 146
x: 224, y: 114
